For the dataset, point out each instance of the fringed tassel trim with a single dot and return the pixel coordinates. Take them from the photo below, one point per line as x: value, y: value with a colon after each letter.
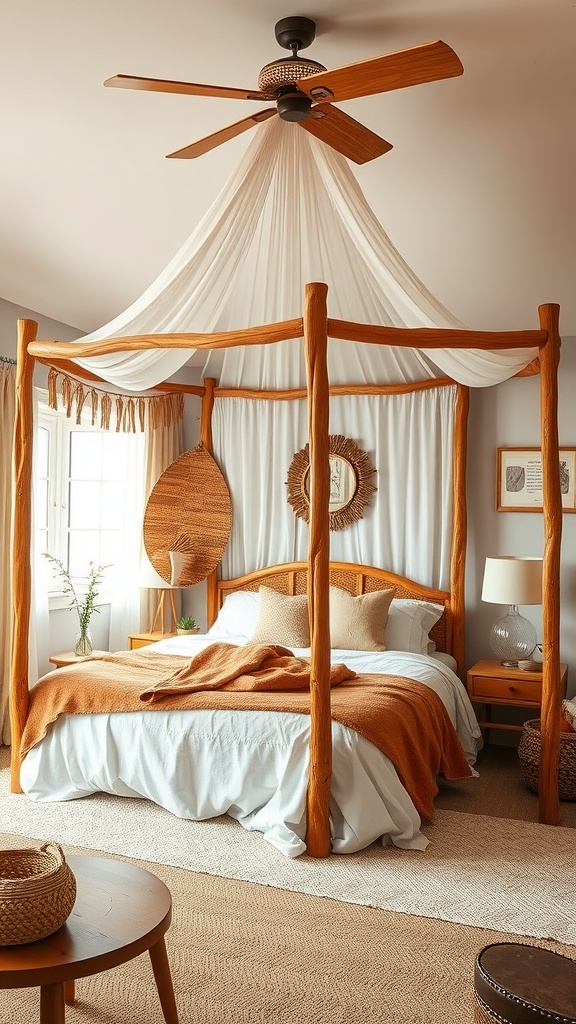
x: 147, y: 412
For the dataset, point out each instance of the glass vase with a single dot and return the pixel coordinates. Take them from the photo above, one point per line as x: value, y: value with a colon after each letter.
x: 83, y: 646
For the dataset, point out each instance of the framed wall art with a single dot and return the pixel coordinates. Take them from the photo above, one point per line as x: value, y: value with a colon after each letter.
x: 519, y: 479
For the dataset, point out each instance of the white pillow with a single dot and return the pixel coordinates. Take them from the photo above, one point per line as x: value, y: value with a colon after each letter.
x: 408, y: 624
x: 238, y: 615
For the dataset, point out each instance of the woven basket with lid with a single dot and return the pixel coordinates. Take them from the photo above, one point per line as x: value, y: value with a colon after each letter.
x: 37, y: 893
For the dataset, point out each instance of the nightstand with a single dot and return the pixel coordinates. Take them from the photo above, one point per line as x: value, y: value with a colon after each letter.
x: 68, y: 657
x: 136, y: 640
x: 488, y: 682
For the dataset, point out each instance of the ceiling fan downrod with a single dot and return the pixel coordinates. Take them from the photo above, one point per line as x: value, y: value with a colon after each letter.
x: 294, y: 34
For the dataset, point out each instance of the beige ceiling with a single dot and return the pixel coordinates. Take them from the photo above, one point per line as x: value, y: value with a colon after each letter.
x: 477, y: 193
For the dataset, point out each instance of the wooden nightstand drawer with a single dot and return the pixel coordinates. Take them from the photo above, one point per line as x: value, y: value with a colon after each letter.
x: 494, y: 689
x: 488, y: 682
x: 136, y: 640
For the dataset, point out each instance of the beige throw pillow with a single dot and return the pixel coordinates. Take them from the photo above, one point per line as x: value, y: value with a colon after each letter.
x: 282, y: 620
x: 358, y: 623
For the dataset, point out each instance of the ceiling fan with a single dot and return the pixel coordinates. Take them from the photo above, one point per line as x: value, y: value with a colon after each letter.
x: 305, y: 92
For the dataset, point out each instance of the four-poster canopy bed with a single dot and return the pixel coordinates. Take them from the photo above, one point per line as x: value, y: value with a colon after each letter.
x: 316, y: 577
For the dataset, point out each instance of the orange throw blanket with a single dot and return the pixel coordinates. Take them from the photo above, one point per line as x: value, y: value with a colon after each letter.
x: 253, y: 667
x: 405, y: 719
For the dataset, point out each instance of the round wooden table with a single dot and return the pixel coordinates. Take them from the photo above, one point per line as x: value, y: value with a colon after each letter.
x: 120, y: 911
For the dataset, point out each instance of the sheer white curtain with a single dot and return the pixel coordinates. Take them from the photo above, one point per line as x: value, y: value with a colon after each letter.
x: 149, y: 453
x: 406, y: 528
x: 125, y: 589
x: 7, y: 410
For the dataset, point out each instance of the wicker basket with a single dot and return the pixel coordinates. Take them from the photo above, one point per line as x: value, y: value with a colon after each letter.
x: 37, y: 893
x: 529, y: 754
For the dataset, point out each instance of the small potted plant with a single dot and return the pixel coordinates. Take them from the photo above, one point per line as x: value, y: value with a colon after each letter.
x: 186, y: 624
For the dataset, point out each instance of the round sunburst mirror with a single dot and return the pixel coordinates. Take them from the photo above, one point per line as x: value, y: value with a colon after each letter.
x: 350, y: 488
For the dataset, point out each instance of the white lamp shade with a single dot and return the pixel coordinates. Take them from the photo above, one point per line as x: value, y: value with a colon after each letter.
x: 152, y: 579
x: 511, y: 579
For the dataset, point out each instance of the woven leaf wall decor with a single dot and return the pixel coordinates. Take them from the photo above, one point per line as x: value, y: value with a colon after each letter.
x: 189, y: 510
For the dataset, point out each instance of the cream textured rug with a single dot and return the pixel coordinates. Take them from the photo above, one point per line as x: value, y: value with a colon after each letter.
x: 485, y: 872
x: 254, y: 954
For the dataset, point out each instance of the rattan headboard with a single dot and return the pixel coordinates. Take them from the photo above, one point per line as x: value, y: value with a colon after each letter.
x: 291, y: 578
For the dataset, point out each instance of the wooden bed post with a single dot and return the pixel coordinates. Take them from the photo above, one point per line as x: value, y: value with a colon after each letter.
x: 22, y: 539
x: 549, y: 810
x: 206, y: 413
x: 206, y: 440
x: 318, y: 840
x: 459, y: 530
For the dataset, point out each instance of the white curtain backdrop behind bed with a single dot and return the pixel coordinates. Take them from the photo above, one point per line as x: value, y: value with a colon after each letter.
x: 406, y: 528
x: 292, y: 212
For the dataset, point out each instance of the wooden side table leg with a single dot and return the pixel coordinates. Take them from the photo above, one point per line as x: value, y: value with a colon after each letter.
x: 161, y: 969
x: 488, y: 719
x: 52, y: 1004
x: 69, y: 992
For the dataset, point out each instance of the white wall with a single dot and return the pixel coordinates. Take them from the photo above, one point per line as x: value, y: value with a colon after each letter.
x: 48, y: 329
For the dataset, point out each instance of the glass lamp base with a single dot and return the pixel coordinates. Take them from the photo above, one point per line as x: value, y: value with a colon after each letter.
x: 513, y: 638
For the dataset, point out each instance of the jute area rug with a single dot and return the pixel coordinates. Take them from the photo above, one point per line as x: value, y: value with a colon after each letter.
x: 241, y: 952
x: 481, y: 871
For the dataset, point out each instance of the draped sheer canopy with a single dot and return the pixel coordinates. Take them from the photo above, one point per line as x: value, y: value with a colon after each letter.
x: 291, y: 212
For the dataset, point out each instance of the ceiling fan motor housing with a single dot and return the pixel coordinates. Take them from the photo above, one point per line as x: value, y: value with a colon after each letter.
x: 293, y: 105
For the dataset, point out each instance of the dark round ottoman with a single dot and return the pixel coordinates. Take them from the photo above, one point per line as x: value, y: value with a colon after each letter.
x: 520, y: 984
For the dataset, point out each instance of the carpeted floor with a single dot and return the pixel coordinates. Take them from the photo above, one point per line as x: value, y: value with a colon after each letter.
x: 511, y: 874
x: 255, y: 954
x: 500, y: 790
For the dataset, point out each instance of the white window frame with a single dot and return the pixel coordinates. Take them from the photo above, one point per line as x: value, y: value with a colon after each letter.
x: 60, y: 428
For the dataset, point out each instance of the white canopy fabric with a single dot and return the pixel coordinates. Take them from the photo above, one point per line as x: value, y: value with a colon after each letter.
x: 291, y: 213
x: 407, y: 525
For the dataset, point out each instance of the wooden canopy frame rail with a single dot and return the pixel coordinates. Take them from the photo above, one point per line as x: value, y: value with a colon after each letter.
x: 316, y: 327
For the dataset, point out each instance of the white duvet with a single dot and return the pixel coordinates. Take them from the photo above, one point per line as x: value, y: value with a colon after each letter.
x: 252, y: 765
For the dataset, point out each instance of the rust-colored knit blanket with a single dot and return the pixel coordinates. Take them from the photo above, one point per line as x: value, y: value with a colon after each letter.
x: 252, y: 667
x: 405, y: 719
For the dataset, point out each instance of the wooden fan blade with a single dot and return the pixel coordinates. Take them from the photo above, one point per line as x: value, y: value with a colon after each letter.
x: 187, y: 88
x: 217, y: 138
x: 426, y: 63
x: 343, y: 133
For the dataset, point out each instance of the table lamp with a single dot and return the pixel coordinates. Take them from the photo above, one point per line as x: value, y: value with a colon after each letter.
x: 512, y: 580
x: 152, y: 580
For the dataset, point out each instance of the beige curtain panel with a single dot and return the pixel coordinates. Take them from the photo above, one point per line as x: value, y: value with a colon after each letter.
x: 7, y: 413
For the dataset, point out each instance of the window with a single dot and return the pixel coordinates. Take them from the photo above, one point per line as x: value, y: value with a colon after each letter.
x: 82, y: 499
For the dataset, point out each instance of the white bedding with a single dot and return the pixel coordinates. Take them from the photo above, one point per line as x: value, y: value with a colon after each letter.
x: 251, y: 765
